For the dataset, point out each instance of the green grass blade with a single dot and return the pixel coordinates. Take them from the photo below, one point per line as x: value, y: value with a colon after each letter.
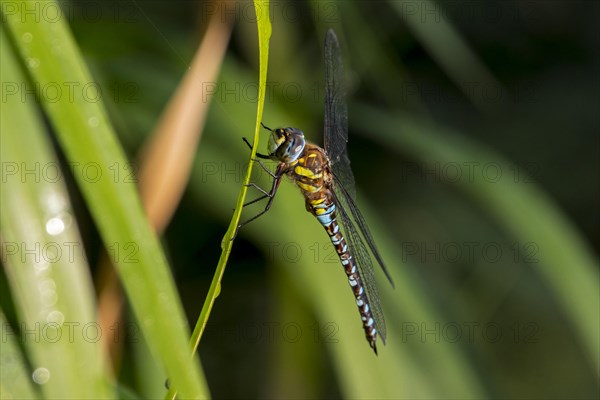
x: 525, y: 211
x: 264, y: 34
x: 15, y: 379
x: 48, y: 50
x: 43, y: 254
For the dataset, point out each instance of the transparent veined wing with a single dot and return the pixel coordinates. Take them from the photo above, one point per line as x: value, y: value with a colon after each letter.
x: 346, y: 201
x: 336, y: 139
x: 361, y: 256
x: 336, y: 112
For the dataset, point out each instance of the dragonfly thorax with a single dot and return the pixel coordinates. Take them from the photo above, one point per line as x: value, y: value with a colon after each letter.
x: 286, y: 144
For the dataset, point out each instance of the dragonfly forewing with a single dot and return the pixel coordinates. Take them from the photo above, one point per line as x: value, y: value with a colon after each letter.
x: 347, y: 202
x: 336, y: 108
x: 365, y: 267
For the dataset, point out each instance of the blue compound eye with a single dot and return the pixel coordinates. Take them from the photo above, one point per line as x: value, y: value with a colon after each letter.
x: 286, y: 144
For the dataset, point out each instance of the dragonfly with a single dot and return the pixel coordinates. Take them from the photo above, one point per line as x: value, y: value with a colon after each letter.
x: 326, y: 181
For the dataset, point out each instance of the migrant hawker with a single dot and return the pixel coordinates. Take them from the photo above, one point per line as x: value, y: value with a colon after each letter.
x: 327, y: 183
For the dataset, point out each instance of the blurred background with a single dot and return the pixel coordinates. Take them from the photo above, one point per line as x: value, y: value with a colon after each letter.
x: 474, y: 141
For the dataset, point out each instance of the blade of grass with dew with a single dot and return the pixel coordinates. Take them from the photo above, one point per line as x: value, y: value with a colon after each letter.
x: 44, y: 260
x: 49, y: 51
x: 15, y: 381
x: 264, y: 34
x: 570, y: 270
x: 165, y: 162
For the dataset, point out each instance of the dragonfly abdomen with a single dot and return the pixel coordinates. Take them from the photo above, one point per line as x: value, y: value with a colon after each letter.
x: 325, y: 211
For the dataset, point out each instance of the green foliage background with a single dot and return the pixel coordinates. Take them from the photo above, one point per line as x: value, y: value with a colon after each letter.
x: 474, y: 142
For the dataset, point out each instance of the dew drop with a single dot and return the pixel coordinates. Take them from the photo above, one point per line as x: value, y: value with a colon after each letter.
x: 55, y: 317
x: 163, y: 297
x: 93, y: 122
x: 41, y: 375
x: 47, y: 285
x: 55, y: 202
x: 27, y: 37
x: 33, y: 62
x: 47, y: 290
x: 49, y: 298
x: 41, y: 267
x: 55, y: 226
x: 218, y: 289
x: 56, y: 48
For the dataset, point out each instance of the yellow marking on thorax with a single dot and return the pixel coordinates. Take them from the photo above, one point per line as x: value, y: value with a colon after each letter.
x: 308, y: 187
x: 307, y: 172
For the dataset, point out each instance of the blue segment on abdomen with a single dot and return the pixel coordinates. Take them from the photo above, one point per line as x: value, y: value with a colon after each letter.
x: 326, y: 217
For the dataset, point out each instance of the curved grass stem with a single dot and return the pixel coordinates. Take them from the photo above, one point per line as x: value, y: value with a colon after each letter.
x: 264, y: 34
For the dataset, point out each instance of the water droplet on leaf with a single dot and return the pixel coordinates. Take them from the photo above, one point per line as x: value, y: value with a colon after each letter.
x: 41, y: 375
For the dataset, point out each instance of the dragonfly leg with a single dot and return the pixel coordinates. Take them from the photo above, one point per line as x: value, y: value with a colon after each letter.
x: 270, y: 195
x: 263, y: 191
x: 263, y: 166
x: 254, y: 185
x: 259, y: 155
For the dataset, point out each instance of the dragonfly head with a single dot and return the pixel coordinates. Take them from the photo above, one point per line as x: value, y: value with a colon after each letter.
x: 286, y: 144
